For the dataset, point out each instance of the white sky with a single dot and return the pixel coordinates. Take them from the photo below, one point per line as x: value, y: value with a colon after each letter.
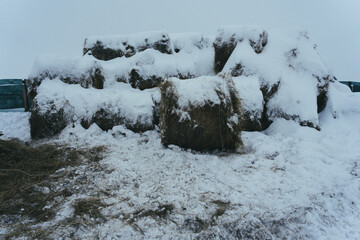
x: 29, y: 28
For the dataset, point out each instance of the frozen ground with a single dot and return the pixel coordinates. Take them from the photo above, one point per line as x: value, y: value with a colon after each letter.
x: 292, y: 181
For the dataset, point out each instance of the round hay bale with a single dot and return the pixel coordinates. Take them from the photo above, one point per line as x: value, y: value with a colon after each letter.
x: 223, y: 51
x: 99, y: 51
x: 84, y: 71
x: 46, y: 122
x: 144, y: 82
x: 229, y: 36
x: 201, y: 114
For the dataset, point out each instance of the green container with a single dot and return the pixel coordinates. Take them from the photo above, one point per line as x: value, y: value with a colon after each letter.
x: 354, y: 86
x: 13, y: 94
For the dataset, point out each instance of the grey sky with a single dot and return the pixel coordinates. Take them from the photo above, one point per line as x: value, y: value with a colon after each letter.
x: 29, y: 28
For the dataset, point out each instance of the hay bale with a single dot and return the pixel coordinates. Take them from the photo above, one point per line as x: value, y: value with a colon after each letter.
x: 110, y: 47
x: 99, y: 51
x: 142, y: 81
x: 46, y: 121
x: 58, y: 105
x: 201, y: 113
x: 191, y: 56
x: 294, y: 78
x: 149, y: 67
x: 229, y: 36
x: 223, y: 50
x: 83, y: 71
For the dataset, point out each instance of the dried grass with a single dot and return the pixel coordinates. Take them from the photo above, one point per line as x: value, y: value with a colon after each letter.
x: 24, y: 168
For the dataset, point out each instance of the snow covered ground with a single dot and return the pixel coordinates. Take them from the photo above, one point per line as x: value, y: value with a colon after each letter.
x: 292, y: 182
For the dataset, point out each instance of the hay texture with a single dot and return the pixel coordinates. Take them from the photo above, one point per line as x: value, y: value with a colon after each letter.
x: 202, y: 113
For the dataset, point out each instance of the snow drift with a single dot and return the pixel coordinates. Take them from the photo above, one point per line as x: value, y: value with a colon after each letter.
x: 275, y: 74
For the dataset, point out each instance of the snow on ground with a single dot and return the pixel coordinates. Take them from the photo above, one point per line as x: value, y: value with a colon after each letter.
x: 292, y: 181
x: 15, y: 125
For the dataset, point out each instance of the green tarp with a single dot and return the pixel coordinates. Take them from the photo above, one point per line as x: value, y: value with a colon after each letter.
x: 12, y: 94
x: 354, y: 86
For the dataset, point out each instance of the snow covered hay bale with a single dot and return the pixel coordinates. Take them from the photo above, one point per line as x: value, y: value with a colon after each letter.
x: 229, y: 36
x: 58, y: 105
x: 293, y: 77
x: 143, y: 81
x: 185, y: 56
x: 114, y: 46
x: 46, y: 120
x: 192, y: 56
x: 202, y: 113
x: 150, y: 68
x: 84, y: 71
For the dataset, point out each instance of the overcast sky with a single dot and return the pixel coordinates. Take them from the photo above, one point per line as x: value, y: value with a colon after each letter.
x: 29, y: 28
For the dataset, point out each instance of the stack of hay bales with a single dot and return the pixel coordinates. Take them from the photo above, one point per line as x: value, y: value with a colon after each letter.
x: 228, y: 37
x: 292, y: 76
x: 147, y: 59
x: 204, y: 91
